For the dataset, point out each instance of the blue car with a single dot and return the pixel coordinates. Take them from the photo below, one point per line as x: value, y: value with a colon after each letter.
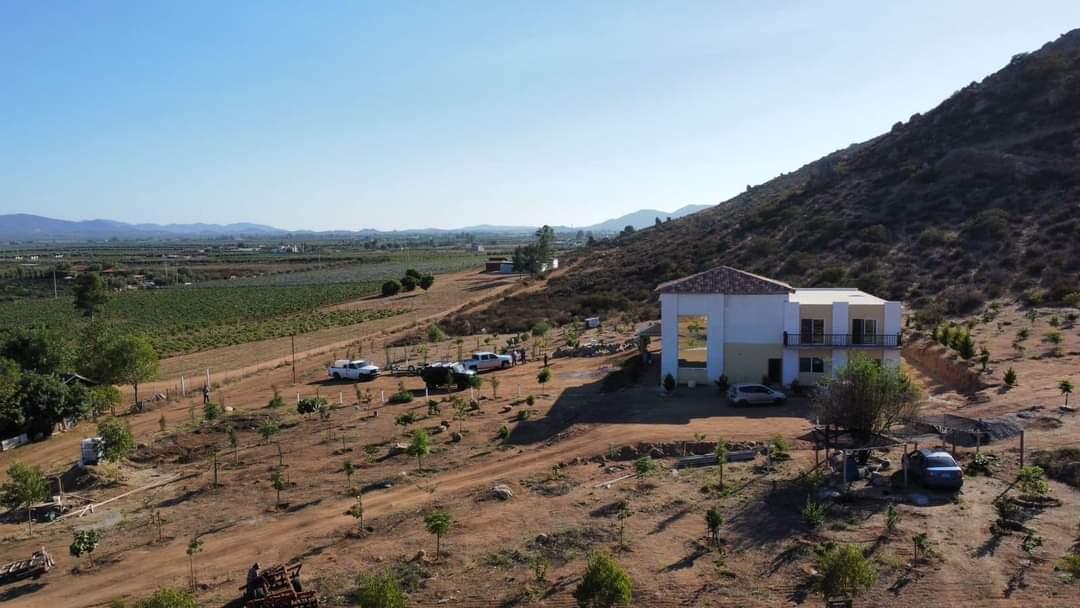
x: 935, y: 469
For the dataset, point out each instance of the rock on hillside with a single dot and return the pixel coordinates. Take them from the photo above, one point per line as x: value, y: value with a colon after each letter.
x: 975, y: 199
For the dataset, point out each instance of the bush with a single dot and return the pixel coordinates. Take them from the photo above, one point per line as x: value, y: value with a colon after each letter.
x: 211, y: 411
x: 379, y: 590
x: 1032, y: 482
x: 813, y: 513
x: 117, y: 440
x: 844, y: 571
x: 669, y: 383
x: 530, y: 400
x: 1010, y: 377
x: 426, y: 282
x: 408, y: 283
x: 604, y: 584
x: 540, y: 329
x: 504, y: 433
x: 168, y: 598
x: 721, y: 382
x: 645, y: 466
x: 522, y: 415
x: 390, y: 288
x: 1070, y: 564
x: 403, y: 395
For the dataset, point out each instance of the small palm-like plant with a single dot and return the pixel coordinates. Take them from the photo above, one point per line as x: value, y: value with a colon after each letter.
x: 713, y: 521
x: 1066, y: 388
x: 438, y: 524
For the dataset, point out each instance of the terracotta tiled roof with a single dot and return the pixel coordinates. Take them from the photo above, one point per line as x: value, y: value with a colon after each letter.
x: 726, y: 280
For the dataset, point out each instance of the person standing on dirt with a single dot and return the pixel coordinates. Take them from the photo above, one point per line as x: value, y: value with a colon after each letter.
x: 206, y: 394
x: 252, y: 590
x: 545, y: 359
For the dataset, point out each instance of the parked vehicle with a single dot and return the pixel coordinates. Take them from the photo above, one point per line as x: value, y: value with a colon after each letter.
x: 439, y: 375
x: 484, y: 361
x: 358, y: 369
x: 755, y: 394
x: 935, y: 469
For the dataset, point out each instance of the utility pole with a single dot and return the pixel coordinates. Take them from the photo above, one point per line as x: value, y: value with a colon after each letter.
x: 55, y: 295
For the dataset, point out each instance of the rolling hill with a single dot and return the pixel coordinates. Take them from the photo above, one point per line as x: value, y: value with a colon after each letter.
x: 975, y: 199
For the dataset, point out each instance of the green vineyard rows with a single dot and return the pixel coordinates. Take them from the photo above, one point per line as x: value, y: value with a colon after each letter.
x: 183, y: 320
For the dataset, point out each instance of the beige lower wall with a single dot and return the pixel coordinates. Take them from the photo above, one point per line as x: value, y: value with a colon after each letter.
x: 748, y: 363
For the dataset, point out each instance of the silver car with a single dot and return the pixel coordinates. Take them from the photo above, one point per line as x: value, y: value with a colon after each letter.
x: 755, y: 394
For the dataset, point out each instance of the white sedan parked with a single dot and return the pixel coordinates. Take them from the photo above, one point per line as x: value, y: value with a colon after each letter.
x: 755, y: 394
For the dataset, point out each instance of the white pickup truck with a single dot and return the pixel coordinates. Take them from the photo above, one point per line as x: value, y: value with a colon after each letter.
x: 482, y: 362
x: 358, y: 369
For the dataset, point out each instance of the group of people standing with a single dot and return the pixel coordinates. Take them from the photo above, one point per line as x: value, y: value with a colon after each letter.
x: 519, y: 356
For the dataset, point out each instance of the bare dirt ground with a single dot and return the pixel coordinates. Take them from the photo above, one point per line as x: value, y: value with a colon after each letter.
x: 489, y: 555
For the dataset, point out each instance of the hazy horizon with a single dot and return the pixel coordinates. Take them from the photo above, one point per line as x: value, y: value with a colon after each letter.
x: 440, y: 115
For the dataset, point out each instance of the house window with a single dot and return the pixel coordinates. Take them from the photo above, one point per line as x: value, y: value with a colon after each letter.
x: 813, y: 331
x: 811, y: 365
x: 693, y: 340
x: 864, y: 331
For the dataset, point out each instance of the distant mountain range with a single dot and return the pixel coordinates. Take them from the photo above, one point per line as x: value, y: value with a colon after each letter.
x: 27, y: 227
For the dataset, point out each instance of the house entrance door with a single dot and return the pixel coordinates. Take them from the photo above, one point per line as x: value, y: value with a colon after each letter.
x: 776, y: 371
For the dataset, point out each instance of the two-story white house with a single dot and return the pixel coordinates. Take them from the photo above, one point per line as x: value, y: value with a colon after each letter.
x: 729, y: 322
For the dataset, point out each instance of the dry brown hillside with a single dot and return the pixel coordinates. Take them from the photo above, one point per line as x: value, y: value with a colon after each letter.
x: 975, y: 199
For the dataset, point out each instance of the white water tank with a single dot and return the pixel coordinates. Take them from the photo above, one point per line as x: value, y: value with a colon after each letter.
x: 90, y: 451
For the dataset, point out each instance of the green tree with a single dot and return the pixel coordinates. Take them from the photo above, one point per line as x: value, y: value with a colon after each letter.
x: 44, y: 401
x: 540, y: 329
x: 1032, y: 482
x: 268, y: 428
x: 721, y: 452
x: 461, y: 412
x: 645, y: 466
x: 867, y: 397
x: 713, y: 521
x: 1066, y: 388
x: 45, y: 351
x: 194, y: 548
x: 234, y: 443
x: 426, y: 282
x: 390, y: 288
x: 412, y: 272
x: 357, y: 510
x: 408, y: 283
x: 350, y: 470
x: 379, y: 590
x: 168, y: 598
x: 116, y: 439
x: 435, y: 333
x: 85, y: 542
x: 211, y: 411
x: 544, y: 376
x: 277, y: 481
x: 26, y: 486
x: 11, y: 412
x: 101, y: 399
x: 605, y: 584
x: 129, y: 359
x: 438, y: 523
x: 420, y: 447
x: 844, y: 571
x: 91, y: 294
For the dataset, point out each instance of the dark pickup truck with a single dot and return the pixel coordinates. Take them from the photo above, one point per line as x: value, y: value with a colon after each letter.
x: 439, y: 375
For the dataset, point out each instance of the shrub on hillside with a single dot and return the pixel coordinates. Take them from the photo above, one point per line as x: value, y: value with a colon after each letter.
x: 390, y: 288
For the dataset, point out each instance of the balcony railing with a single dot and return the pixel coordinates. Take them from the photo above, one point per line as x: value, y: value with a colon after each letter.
x: 843, y: 340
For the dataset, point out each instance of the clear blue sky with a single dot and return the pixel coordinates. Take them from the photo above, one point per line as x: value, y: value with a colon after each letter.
x: 412, y: 114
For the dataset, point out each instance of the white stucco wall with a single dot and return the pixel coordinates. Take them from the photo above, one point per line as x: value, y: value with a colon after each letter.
x: 756, y: 319
x: 672, y: 306
x: 840, y: 319
x: 891, y: 324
